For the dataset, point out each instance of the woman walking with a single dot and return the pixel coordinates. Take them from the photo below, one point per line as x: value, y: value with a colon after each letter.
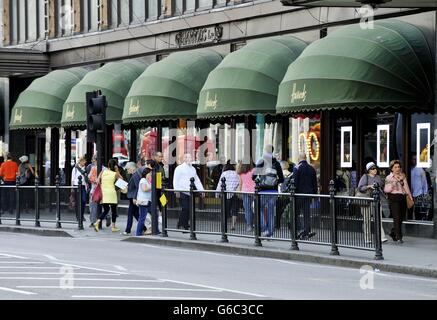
x: 107, y: 179
x: 232, y: 183
x: 365, y: 187
x: 397, y: 189
x: 247, y: 185
x: 144, y: 199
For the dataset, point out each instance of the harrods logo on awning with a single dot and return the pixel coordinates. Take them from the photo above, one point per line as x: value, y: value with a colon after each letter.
x: 211, y: 103
x: 70, y: 112
x: 199, y: 35
x: 298, y: 94
x: 18, y: 117
x: 134, y: 108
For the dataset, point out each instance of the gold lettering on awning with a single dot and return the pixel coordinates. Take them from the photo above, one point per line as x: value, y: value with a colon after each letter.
x: 298, y: 94
x: 69, y: 115
x: 18, y: 117
x: 134, y: 108
x: 211, y: 103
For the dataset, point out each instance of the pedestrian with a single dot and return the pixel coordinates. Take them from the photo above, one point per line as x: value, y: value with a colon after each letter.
x: 419, y: 190
x: 181, y: 181
x: 144, y: 199
x: 107, y: 179
x: 79, y: 170
x: 247, y: 185
x: 8, y: 173
x: 92, y: 177
x: 269, y: 172
x: 232, y: 184
x: 365, y: 188
x: 305, y: 178
x: 158, y: 158
x: 26, y: 178
x: 397, y: 189
x: 285, y: 187
x: 132, y: 192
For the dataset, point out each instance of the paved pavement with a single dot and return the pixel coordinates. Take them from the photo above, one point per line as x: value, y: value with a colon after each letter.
x: 416, y: 256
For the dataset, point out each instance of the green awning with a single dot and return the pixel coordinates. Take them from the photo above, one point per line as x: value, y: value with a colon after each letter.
x: 247, y: 80
x: 114, y: 80
x: 389, y: 66
x: 169, y: 89
x: 40, y: 105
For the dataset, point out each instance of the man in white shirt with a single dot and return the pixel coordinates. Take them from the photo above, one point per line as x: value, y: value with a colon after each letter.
x: 181, y: 181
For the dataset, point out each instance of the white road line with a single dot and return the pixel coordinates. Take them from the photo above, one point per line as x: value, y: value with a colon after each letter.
x: 76, y: 273
x: 20, y: 267
x: 421, y: 278
x: 21, y: 262
x: 90, y: 268
x: 50, y: 257
x: 216, y: 288
x: 122, y: 288
x: 79, y: 279
x: 16, y: 291
x: 5, y: 255
x: 145, y: 297
x: 120, y: 268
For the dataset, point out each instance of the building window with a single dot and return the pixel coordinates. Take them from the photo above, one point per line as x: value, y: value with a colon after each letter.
x: 93, y: 15
x: 31, y: 20
x: 123, y: 11
x: 21, y: 21
x: 190, y: 5
x: 221, y: 3
x: 152, y: 10
x: 66, y: 18
x: 138, y: 12
x: 43, y: 19
x: 179, y: 7
x: 204, y: 4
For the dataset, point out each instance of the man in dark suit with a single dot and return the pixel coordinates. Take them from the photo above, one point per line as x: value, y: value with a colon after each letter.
x: 305, y: 179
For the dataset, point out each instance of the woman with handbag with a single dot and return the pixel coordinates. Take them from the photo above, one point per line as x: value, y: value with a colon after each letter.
x: 107, y: 179
x: 365, y: 189
x: 398, y: 191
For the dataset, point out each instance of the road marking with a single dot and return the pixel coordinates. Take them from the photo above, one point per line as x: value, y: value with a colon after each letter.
x: 15, y: 267
x: 21, y: 262
x: 404, y: 277
x: 120, y: 268
x: 5, y: 255
x: 16, y: 291
x: 121, y: 288
x: 76, y: 273
x: 79, y: 279
x: 89, y: 268
x: 216, y: 288
x: 145, y: 297
x: 50, y: 257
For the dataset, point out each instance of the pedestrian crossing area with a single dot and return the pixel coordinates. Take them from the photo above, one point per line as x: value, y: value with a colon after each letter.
x: 30, y: 277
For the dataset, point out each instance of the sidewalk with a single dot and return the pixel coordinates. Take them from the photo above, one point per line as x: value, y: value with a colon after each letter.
x: 416, y: 256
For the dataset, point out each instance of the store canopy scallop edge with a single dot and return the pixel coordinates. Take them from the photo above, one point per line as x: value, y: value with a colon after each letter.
x: 389, y: 66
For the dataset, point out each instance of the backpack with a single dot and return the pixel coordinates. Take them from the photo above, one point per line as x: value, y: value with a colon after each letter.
x: 25, y: 176
x: 269, y: 179
x: 286, y: 185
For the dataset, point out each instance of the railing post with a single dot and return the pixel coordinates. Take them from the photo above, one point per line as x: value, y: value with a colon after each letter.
x: 377, y: 219
x: 293, y: 216
x: 332, y: 211
x: 224, y: 214
x: 192, y: 210
x: 79, y: 200
x: 257, y: 217
x: 17, y: 201
x: 37, y: 223
x: 58, y: 203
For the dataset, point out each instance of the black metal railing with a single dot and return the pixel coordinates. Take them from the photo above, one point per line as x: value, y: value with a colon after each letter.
x: 335, y: 221
x: 52, y: 205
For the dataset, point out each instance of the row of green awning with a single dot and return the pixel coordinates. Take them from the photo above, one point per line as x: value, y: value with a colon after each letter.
x: 389, y: 66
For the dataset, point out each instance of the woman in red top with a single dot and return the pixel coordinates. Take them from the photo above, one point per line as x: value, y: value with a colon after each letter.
x: 396, y: 187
